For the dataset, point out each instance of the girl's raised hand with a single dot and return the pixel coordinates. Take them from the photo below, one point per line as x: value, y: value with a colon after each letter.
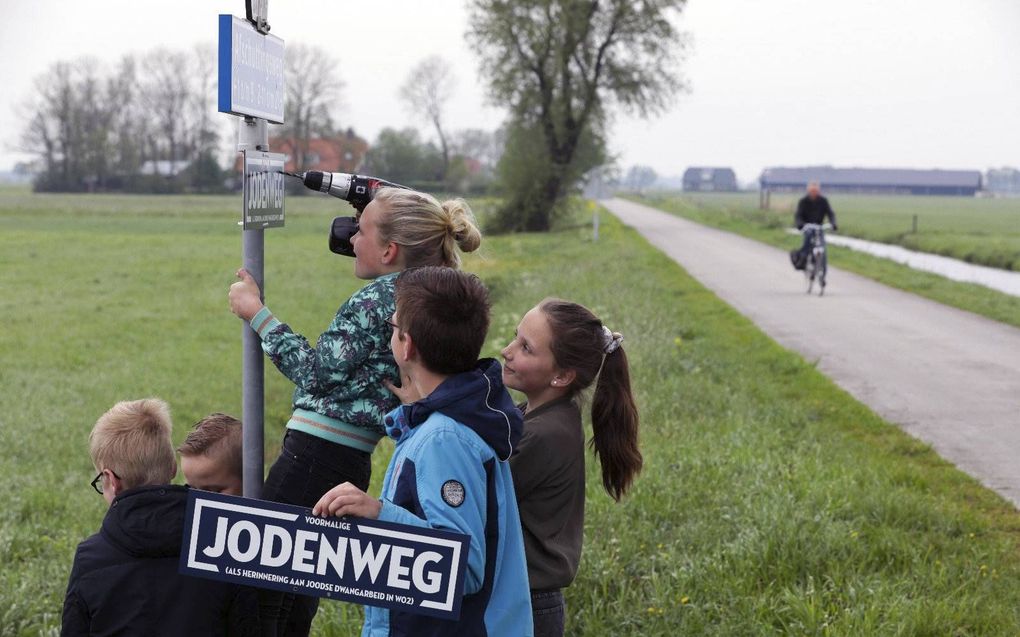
x: 407, y: 392
x: 245, y: 296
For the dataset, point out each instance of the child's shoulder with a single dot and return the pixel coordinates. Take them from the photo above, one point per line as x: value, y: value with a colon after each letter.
x: 440, y: 430
x: 375, y: 298
x: 380, y: 286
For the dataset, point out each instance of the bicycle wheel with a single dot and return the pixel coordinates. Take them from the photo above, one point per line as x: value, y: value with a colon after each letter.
x: 809, y: 272
x: 822, y: 271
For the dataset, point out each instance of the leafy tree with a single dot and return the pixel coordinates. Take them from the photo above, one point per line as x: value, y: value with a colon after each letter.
x: 401, y: 156
x: 425, y: 92
x: 641, y: 177
x: 561, y: 65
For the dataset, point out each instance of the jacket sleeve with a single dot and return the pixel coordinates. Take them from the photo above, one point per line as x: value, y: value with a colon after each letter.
x: 75, y: 619
x: 447, y: 457
x: 341, y: 349
x: 831, y: 214
x: 798, y: 217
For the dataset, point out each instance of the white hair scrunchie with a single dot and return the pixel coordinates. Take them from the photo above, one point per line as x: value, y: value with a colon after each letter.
x: 611, y: 340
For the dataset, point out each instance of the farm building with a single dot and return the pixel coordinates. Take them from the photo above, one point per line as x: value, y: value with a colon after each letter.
x: 702, y: 179
x: 891, y: 181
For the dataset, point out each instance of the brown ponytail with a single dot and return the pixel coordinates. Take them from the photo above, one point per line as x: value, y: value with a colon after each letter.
x: 579, y: 344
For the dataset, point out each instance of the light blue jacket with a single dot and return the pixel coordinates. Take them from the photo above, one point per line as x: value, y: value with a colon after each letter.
x: 450, y: 472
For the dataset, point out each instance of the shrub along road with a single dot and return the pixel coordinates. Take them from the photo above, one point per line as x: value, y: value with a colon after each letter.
x: 948, y: 377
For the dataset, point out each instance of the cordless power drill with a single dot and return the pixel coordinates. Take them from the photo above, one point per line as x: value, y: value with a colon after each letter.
x: 356, y: 189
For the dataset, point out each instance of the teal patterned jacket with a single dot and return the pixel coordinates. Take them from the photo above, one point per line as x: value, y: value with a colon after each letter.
x: 339, y: 395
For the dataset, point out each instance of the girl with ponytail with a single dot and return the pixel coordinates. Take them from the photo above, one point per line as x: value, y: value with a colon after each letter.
x: 340, y: 396
x: 559, y: 350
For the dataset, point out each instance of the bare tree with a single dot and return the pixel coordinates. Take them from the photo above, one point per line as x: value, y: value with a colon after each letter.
x: 425, y: 91
x: 93, y: 127
x: 166, y: 92
x: 314, y: 89
x: 202, y: 116
x: 69, y: 125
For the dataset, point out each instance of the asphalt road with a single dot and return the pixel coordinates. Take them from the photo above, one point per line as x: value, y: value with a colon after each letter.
x: 947, y: 377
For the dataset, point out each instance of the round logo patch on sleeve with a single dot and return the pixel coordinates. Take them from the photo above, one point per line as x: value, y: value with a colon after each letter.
x: 453, y: 493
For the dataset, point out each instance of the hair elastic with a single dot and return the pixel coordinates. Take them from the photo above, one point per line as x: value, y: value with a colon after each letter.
x: 611, y: 340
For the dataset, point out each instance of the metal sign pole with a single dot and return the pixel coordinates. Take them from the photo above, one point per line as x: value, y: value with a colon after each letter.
x: 253, y: 134
x: 251, y: 84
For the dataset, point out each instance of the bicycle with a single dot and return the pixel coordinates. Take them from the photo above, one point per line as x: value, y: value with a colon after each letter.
x: 817, y: 260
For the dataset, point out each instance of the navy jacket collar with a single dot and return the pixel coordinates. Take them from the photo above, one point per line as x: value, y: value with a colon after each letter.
x: 478, y: 400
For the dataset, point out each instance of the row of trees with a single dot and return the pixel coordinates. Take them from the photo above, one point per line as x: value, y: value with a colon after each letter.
x: 464, y: 161
x: 96, y: 128
x: 150, y: 122
x: 562, y: 67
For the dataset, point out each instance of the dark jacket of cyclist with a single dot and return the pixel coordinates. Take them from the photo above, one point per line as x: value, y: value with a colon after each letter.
x: 814, y: 209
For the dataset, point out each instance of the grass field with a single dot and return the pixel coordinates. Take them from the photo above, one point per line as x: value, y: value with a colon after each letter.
x: 738, y: 212
x: 771, y: 503
x: 984, y: 231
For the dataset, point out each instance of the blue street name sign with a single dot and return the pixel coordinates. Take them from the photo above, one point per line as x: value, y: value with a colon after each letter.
x: 284, y: 547
x: 263, y: 190
x: 250, y: 71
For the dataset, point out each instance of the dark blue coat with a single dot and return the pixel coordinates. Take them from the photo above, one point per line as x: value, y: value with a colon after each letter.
x: 124, y: 580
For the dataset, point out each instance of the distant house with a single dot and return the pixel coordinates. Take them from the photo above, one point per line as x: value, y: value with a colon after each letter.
x: 893, y: 181
x: 704, y: 179
x: 164, y: 167
x: 344, y: 153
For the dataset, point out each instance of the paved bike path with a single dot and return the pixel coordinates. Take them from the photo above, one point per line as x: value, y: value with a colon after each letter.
x: 948, y: 377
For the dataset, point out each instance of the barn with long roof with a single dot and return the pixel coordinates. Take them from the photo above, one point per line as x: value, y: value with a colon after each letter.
x: 892, y: 181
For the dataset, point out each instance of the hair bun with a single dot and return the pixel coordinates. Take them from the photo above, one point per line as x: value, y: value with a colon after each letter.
x: 462, y: 225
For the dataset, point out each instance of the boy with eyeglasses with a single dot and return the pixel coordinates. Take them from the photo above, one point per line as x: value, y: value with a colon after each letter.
x: 124, y: 579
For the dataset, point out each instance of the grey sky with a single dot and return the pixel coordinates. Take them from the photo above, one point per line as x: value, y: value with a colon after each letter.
x: 894, y: 83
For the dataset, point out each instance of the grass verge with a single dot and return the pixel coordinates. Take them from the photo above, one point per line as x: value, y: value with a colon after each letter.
x: 771, y: 502
x: 732, y: 213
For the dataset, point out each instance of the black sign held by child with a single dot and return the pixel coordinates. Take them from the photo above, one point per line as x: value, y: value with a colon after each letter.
x: 284, y: 547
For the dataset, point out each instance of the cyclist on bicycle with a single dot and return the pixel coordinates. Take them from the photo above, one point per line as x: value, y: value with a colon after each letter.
x: 813, y: 208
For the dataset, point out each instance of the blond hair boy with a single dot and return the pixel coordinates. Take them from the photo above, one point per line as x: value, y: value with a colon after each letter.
x: 130, y: 447
x: 124, y: 579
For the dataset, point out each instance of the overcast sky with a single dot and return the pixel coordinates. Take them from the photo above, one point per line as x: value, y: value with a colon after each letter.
x: 878, y: 83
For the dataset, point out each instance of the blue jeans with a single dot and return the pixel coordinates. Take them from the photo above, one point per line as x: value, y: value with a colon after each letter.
x: 307, y: 468
x: 548, y: 610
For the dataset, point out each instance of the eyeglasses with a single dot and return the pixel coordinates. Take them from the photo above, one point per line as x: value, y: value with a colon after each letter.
x: 392, y: 324
x: 97, y: 482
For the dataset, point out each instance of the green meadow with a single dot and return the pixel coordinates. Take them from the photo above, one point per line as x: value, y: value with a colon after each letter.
x: 983, y: 231
x: 771, y: 502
